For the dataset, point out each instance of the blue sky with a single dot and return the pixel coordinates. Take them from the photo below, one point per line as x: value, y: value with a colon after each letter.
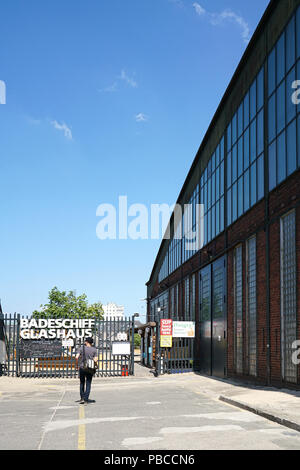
x: 104, y: 98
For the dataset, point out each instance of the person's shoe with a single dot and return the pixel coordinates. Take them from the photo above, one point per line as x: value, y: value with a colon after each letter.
x: 82, y: 402
x: 86, y: 402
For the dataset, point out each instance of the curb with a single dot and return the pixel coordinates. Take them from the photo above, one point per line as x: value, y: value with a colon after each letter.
x: 263, y: 414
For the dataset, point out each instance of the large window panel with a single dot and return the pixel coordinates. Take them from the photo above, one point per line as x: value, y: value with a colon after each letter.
x: 260, y: 178
x: 246, y: 149
x: 260, y: 133
x: 281, y: 158
x: 238, y: 309
x: 272, y: 71
x: 288, y: 271
x: 291, y: 148
x: 234, y: 202
x: 290, y: 44
x: 290, y: 106
x: 253, y: 103
x: 260, y: 89
x: 253, y: 151
x: 272, y: 166
x: 246, y: 110
x: 272, y: 118
x: 280, y: 55
x: 280, y: 100
x: 253, y: 197
x: 298, y: 32
x: 246, y: 191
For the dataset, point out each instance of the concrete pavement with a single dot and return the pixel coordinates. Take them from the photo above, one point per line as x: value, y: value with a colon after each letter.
x: 167, y: 413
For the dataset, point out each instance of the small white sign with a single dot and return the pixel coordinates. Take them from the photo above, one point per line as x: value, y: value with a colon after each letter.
x: 121, y: 348
x: 122, y: 337
x: 68, y: 343
x: 183, y: 329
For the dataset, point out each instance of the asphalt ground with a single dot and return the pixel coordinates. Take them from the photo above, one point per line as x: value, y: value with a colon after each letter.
x: 132, y: 414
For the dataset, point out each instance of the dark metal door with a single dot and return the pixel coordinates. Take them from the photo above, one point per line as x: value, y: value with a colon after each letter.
x: 205, y: 322
x: 212, y: 320
x: 218, y: 319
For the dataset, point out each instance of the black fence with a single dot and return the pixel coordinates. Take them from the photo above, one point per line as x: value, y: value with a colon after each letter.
x: 53, y: 358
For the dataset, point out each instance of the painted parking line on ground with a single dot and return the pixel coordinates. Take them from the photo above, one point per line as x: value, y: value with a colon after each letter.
x: 81, y: 429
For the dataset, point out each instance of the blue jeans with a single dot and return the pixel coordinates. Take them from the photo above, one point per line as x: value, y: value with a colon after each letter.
x: 85, y: 384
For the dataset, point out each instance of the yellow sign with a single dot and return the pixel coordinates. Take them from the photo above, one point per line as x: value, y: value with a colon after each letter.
x: 166, y: 341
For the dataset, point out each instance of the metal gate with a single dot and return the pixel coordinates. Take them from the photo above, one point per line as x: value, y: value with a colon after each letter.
x: 178, y: 359
x: 52, y: 359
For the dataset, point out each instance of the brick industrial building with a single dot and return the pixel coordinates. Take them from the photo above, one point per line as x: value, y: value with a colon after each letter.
x: 242, y: 288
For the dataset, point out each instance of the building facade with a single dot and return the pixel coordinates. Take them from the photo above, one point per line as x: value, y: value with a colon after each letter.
x: 242, y: 287
x: 112, y: 310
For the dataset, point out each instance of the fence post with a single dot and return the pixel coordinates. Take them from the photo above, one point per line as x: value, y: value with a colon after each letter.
x: 132, y: 346
x: 18, y: 346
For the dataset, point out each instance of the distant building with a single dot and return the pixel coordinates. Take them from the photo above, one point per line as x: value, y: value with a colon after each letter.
x: 112, y: 310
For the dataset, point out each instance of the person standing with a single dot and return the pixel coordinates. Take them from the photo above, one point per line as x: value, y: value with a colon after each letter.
x: 85, y: 353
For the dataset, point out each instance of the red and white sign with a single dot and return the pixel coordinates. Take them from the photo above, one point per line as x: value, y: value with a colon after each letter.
x: 166, y: 327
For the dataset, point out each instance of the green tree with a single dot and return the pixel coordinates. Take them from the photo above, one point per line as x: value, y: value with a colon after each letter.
x: 137, y: 340
x: 67, y: 305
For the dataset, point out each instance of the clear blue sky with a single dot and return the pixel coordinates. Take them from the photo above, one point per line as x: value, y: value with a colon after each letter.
x: 104, y: 98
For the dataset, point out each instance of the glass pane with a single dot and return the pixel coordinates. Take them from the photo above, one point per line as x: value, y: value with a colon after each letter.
x: 281, y: 158
x: 217, y: 218
x: 213, y: 222
x: 222, y: 149
x: 260, y: 178
x: 291, y: 148
x: 272, y: 166
x: 298, y: 32
x: 271, y: 72
x: 260, y: 132
x: 280, y: 58
x: 240, y: 157
x: 222, y: 214
x: 246, y: 149
x: 290, y: 44
x: 240, y: 197
x: 246, y: 111
x: 260, y: 89
x: 240, y: 120
x: 253, y: 184
x: 234, y: 202
x: 290, y: 106
x: 234, y: 163
x: 253, y: 100
x: 234, y: 129
x: 229, y: 137
x: 246, y: 191
x: 272, y: 118
x: 217, y: 184
x: 280, y: 108
x: 253, y: 141
x: 229, y: 210
x: 222, y: 179
x: 213, y: 162
x: 213, y: 189
x: 229, y: 179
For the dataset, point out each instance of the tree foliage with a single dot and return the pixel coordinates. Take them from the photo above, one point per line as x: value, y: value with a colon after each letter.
x: 68, y: 305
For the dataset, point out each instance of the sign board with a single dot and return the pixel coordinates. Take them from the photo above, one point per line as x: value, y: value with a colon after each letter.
x: 166, y: 341
x: 68, y: 343
x: 121, y: 348
x: 166, y: 327
x: 183, y: 329
x: 42, y: 348
x: 122, y: 336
